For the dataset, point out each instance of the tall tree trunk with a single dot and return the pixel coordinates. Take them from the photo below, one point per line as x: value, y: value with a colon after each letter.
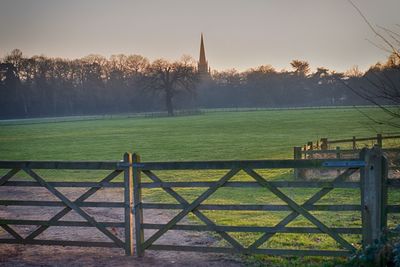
x: 168, y: 99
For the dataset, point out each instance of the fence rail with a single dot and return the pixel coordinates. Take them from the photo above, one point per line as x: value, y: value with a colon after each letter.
x: 343, y: 151
x: 254, y: 164
x: 373, y: 207
x: 378, y: 138
x: 66, y: 165
x: 324, y: 143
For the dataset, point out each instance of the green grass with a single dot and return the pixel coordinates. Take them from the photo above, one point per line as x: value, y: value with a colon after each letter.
x: 212, y: 136
x: 231, y: 135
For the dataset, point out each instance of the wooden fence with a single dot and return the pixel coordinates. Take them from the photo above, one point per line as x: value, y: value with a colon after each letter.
x: 323, y: 149
x: 31, y: 167
x: 392, y: 154
x: 326, y: 144
x: 373, y: 185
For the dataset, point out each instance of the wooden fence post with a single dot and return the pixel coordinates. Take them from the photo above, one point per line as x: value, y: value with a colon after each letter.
x: 296, y: 156
x: 379, y: 140
x: 311, y: 148
x: 137, y: 209
x: 324, y: 143
x: 338, y: 156
x: 128, y: 200
x: 373, y: 194
x: 338, y: 153
x: 310, y: 145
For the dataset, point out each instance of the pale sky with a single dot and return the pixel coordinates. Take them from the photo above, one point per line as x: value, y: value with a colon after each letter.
x: 237, y: 33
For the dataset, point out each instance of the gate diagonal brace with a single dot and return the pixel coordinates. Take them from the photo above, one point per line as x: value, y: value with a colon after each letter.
x: 3, y: 180
x: 74, y: 207
x: 317, y: 196
x: 12, y: 232
x: 190, y: 208
x: 66, y: 210
x: 8, y: 176
x: 300, y: 210
x: 196, y: 212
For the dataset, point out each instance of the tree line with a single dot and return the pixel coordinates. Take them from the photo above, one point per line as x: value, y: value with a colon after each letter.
x: 42, y: 86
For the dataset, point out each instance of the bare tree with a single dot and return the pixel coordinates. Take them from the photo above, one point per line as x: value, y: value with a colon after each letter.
x: 172, y: 77
x: 354, y: 72
x: 301, y: 67
x: 44, y: 86
x: 382, y: 86
x: 15, y: 61
x: 136, y: 64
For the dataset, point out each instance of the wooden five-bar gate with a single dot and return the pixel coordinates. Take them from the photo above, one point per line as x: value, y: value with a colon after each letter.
x: 30, y: 168
x: 373, y: 185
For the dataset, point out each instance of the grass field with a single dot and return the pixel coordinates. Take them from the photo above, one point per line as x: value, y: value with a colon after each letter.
x: 211, y: 136
x: 229, y: 135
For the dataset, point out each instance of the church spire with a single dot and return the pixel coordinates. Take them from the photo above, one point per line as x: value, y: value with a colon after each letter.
x: 203, y: 64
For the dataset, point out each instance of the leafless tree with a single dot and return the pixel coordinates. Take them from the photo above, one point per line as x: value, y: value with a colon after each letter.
x: 172, y: 77
x: 301, y: 67
x: 382, y: 86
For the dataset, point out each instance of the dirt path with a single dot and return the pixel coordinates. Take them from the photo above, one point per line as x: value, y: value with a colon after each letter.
x: 34, y: 255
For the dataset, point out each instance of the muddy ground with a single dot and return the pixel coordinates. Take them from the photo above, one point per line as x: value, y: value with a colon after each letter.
x: 36, y: 255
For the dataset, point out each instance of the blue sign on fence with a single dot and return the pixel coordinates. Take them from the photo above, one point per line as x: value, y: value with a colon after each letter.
x: 344, y: 163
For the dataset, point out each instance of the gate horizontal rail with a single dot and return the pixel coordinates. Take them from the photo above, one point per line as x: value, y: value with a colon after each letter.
x: 182, y: 165
x: 295, y: 184
x: 253, y: 164
x: 61, y: 204
x: 276, y: 252
x: 60, y: 243
x: 65, y: 184
x: 254, y: 229
x: 59, y: 223
x: 65, y: 165
x: 253, y: 207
